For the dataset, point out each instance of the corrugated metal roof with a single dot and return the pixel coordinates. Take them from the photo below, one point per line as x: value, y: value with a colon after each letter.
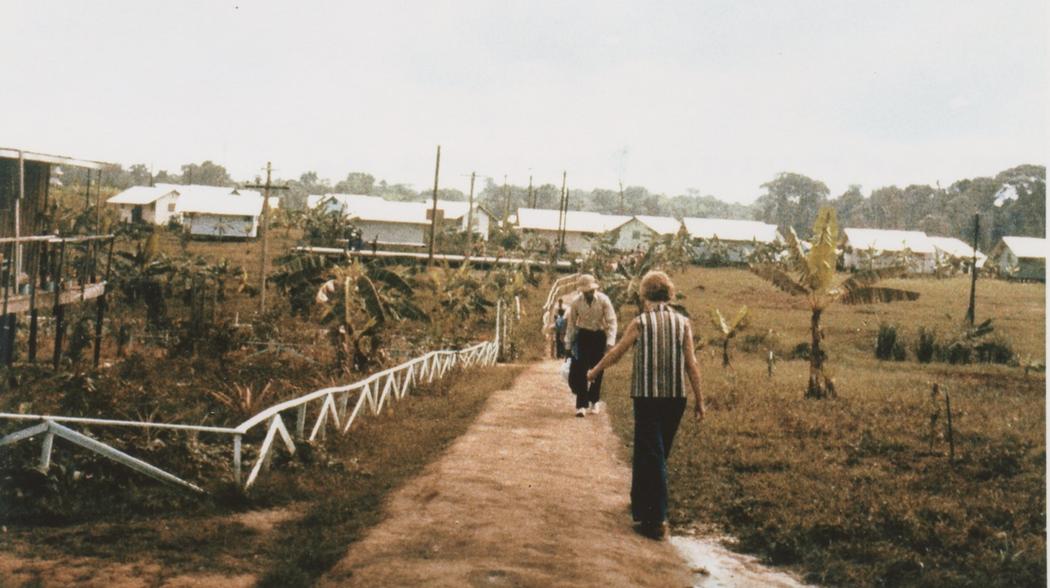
x: 956, y: 248
x: 576, y: 221
x: 888, y: 240
x: 730, y: 229
x: 376, y: 209
x: 9, y: 153
x: 1026, y: 247
x: 217, y: 200
x: 662, y: 225
x: 142, y: 194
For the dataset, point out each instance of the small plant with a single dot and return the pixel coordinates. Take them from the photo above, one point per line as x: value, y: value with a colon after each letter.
x: 886, y: 341
x: 729, y: 330
x: 926, y: 347
x: 242, y: 400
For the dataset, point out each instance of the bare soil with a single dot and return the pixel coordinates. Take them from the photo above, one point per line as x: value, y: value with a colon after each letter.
x: 529, y: 496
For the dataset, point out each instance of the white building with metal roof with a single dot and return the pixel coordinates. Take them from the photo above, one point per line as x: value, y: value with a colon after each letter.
x: 1022, y: 258
x: 580, y: 226
x: 946, y: 249
x: 389, y: 222
x: 879, y: 248
x: 640, y: 229
x: 732, y: 238
x: 146, y: 204
x: 213, y: 211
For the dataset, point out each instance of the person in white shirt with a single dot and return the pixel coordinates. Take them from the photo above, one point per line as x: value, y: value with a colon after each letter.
x: 590, y: 331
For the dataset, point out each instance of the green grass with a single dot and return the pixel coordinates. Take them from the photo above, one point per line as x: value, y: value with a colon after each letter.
x: 859, y: 490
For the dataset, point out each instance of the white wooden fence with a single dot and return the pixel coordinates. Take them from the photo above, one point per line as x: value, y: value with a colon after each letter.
x: 333, y: 411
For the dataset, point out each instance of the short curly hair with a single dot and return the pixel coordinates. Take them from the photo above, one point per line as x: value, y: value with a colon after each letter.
x: 657, y: 287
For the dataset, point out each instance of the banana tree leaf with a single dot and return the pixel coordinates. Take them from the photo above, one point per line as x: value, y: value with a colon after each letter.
x: 871, y: 277
x: 876, y: 295
x: 740, y: 320
x: 780, y: 279
x: 373, y: 300
x: 719, y: 321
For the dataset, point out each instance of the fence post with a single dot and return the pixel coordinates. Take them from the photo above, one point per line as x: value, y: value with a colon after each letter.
x: 237, y: 459
x: 45, y: 451
x: 300, y: 422
x: 951, y: 438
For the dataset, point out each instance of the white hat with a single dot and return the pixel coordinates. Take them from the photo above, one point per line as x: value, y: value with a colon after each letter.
x: 586, y: 283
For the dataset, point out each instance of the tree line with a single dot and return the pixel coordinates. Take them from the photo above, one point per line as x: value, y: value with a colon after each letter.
x: 1013, y: 202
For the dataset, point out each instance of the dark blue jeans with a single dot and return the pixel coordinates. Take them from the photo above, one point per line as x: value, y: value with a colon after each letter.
x: 655, y: 424
x: 590, y: 347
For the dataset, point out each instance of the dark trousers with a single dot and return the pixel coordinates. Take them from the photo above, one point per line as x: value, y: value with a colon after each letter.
x: 590, y: 346
x: 655, y: 424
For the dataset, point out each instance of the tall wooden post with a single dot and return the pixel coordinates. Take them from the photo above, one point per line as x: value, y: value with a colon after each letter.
x: 434, y: 207
x: 971, y: 312
x: 470, y: 215
x: 563, y: 212
x: 622, y: 209
x: 532, y: 197
x: 264, y: 228
x: 506, y: 200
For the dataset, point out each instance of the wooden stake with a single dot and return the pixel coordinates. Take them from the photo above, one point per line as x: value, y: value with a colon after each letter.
x: 433, y: 210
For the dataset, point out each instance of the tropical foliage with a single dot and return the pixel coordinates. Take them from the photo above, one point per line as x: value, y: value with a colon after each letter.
x: 812, y: 275
x: 729, y: 329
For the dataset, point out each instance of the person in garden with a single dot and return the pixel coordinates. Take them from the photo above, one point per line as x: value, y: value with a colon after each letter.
x: 663, y: 360
x: 590, y: 331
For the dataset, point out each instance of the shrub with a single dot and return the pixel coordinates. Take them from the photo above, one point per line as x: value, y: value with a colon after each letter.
x: 926, y: 347
x: 801, y: 351
x: 888, y: 345
x: 995, y: 351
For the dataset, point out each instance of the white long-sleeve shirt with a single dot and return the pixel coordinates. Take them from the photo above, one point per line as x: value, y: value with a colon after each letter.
x: 599, y: 315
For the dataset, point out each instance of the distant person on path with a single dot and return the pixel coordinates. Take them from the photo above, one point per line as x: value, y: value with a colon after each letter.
x: 559, y: 332
x: 663, y: 359
x: 590, y: 331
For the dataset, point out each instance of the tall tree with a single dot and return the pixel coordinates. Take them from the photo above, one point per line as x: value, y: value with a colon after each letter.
x: 206, y: 173
x: 790, y: 200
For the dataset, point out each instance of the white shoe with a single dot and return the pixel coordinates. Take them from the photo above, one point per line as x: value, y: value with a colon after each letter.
x: 581, y: 412
x: 596, y: 408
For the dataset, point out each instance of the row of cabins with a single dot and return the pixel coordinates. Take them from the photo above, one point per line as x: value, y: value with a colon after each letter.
x: 209, y: 211
x: 407, y: 224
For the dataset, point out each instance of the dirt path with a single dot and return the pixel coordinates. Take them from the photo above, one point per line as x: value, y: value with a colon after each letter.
x: 529, y: 496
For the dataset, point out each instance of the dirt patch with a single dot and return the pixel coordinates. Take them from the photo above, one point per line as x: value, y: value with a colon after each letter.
x: 529, y: 496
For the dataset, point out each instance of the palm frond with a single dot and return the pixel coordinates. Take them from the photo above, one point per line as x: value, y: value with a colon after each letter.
x: 871, y: 295
x: 719, y: 321
x: 780, y: 279
x: 871, y: 277
x: 797, y: 255
x: 373, y: 301
x: 740, y: 320
x: 822, y: 256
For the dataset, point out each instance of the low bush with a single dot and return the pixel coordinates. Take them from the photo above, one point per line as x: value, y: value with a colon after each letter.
x: 888, y: 345
x: 926, y: 346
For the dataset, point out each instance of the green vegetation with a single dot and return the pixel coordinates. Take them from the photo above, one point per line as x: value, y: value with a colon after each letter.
x: 859, y: 490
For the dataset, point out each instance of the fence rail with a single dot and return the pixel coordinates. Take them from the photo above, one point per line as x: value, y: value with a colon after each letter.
x: 333, y: 410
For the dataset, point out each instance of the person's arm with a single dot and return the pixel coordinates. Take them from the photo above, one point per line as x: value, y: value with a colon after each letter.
x: 610, y: 322
x: 616, y: 352
x: 570, y: 327
x: 692, y: 371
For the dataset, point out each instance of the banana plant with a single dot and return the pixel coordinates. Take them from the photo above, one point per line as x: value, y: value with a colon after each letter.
x: 728, y: 330
x: 812, y: 275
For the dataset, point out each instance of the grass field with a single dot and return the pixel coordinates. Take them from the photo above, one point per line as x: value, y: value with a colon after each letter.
x: 859, y: 490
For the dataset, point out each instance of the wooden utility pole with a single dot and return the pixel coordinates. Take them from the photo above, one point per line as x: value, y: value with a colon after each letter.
x: 563, y: 211
x: 622, y: 209
x: 971, y: 312
x: 434, y: 208
x: 470, y: 215
x: 532, y: 198
x: 506, y: 200
x: 264, y: 236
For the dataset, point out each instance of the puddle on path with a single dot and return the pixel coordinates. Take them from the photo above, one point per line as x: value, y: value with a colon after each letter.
x: 714, y: 566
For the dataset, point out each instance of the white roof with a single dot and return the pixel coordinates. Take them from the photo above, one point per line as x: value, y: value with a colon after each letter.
x: 576, y: 221
x: 956, y: 248
x: 376, y: 209
x: 661, y: 225
x: 142, y: 194
x: 1026, y: 247
x: 730, y: 229
x: 217, y: 200
x: 889, y: 240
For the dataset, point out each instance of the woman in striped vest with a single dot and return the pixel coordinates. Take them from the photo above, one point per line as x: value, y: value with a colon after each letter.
x: 663, y: 361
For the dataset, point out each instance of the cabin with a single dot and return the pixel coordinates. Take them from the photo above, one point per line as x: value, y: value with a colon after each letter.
x: 214, y: 211
x: 41, y: 271
x: 153, y: 205
x: 581, y: 227
x: 730, y: 241
x: 403, y: 224
x: 1020, y: 258
x: 952, y: 251
x: 637, y: 232
x: 867, y: 249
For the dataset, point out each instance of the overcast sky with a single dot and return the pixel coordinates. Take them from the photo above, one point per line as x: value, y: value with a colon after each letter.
x: 717, y: 96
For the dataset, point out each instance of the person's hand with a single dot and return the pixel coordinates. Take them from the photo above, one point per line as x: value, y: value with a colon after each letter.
x: 592, y: 374
x: 608, y: 348
x: 698, y: 411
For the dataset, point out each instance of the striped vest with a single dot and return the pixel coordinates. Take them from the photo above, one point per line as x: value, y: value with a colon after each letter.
x: 659, y: 354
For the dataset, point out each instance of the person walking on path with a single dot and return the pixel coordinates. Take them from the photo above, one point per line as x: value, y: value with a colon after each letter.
x: 590, y: 331
x: 663, y: 359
